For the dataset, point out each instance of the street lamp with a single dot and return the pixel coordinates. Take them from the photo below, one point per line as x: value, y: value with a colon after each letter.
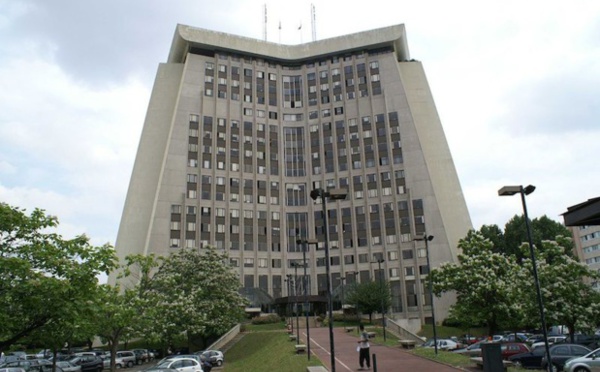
x: 305, y: 243
x: 427, y: 238
x: 379, y: 261
x: 288, y: 306
x: 333, y: 194
x: 509, y: 191
x: 342, y: 280
x: 355, y: 281
x: 295, y: 265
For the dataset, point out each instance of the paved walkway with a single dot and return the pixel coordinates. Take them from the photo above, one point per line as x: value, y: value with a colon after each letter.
x: 389, y: 359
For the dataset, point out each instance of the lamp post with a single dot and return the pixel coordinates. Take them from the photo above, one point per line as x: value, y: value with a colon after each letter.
x: 427, y: 239
x: 295, y: 265
x: 289, y: 289
x: 333, y: 194
x: 356, y: 273
x: 342, y: 280
x: 305, y: 243
x: 509, y: 191
x: 379, y: 261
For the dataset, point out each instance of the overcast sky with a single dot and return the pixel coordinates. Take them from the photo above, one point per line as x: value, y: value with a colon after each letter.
x: 516, y: 84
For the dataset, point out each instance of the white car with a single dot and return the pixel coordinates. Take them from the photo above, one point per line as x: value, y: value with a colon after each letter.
x: 181, y: 364
x: 442, y: 344
x: 551, y: 340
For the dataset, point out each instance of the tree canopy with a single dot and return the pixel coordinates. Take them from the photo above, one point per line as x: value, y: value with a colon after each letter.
x: 370, y: 296
x: 44, y: 279
x: 497, y: 288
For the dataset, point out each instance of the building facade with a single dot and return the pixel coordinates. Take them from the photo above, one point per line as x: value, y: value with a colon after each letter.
x: 239, y: 132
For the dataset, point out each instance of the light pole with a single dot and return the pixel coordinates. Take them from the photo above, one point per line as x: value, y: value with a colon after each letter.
x: 295, y: 264
x: 305, y: 243
x: 289, y: 288
x: 342, y: 280
x: 379, y: 261
x: 333, y: 194
x: 356, y: 273
x: 427, y: 239
x: 509, y: 191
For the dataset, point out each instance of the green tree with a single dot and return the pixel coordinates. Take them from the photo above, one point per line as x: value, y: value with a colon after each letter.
x: 42, y: 274
x: 484, y: 282
x: 495, y: 236
x: 543, y: 228
x: 568, y: 299
x: 125, y: 312
x: 194, y: 292
x: 369, y: 296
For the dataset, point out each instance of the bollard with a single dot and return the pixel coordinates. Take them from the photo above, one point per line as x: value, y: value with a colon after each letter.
x: 374, y: 362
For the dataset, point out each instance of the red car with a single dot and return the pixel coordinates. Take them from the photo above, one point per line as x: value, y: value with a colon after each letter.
x: 513, y: 348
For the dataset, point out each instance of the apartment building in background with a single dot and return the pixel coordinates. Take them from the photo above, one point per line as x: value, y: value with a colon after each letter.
x: 239, y: 131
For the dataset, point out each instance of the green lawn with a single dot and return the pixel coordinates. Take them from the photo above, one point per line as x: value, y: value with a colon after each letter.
x: 262, y: 349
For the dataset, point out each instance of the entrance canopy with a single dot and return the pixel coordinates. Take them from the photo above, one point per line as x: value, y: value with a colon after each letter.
x: 583, y: 214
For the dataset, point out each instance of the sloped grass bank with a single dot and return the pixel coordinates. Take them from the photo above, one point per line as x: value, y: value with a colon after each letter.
x: 266, y: 350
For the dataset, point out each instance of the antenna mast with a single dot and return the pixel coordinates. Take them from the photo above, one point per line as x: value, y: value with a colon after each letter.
x: 313, y: 22
x: 265, y: 23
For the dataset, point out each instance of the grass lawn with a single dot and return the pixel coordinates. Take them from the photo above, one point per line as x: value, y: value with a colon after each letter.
x: 262, y: 349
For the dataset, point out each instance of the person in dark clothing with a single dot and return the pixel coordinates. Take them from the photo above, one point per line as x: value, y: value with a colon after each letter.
x: 364, y: 351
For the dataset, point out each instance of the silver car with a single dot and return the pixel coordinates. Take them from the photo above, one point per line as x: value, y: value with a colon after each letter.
x: 586, y: 363
x: 68, y: 366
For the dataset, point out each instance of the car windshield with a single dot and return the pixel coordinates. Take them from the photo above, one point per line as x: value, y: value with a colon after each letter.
x: 164, y: 364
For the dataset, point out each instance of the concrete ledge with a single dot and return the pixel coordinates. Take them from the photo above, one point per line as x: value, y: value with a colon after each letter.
x: 316, y: 369
x: 349, y: 329
x: 292, y: 337
x: 371, y: 334
x: 300, y: 348
x: 407, y: 344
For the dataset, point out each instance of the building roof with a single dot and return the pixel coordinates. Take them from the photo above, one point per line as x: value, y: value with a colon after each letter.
x: 188, y: 38
x: 583, y: 214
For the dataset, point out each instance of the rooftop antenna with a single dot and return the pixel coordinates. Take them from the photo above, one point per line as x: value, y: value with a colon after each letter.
x: 280, y: 31
x: 300, y: 30
x: 265, y: 22
x: 313, y: 22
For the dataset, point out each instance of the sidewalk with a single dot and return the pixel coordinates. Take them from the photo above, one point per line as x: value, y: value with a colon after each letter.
x: 389, y: 359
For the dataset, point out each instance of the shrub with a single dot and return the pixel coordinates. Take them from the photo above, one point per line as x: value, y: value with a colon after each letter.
x: 266, y: 319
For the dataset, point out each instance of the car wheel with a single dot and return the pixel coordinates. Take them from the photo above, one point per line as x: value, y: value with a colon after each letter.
x: 555, y: 368
x: 129, y: 364
x: 219, y: 363
x: 518, y: 364
x: 581, y: 369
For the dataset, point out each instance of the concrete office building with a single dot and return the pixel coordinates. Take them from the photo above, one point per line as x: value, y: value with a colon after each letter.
x: 583, y: 220
x: 239, y: 131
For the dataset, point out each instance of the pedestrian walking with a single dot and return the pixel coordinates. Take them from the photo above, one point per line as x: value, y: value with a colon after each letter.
x: 363, y: 349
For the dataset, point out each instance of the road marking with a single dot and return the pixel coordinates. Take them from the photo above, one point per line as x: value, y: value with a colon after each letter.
x: 328, y: 353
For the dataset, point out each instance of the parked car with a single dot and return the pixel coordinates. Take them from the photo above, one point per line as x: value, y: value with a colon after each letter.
x: 12, y: 369
x: 44, y: 354
x: 88, y: 363
x: 67, y: 366
x: 214, y: 357
x: 551, y: 341
x: 473, y: 350
x: 511, y: 337
x: 509, y: 349
x: 532, y: 359
x: 587, y: 363
x: 560, y: 353
x: 141, y: 355
x: 442, y: 344
x: 180, y: 356
x: 182, y: 364
x: 126, y: 358
x: 32, y: 365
